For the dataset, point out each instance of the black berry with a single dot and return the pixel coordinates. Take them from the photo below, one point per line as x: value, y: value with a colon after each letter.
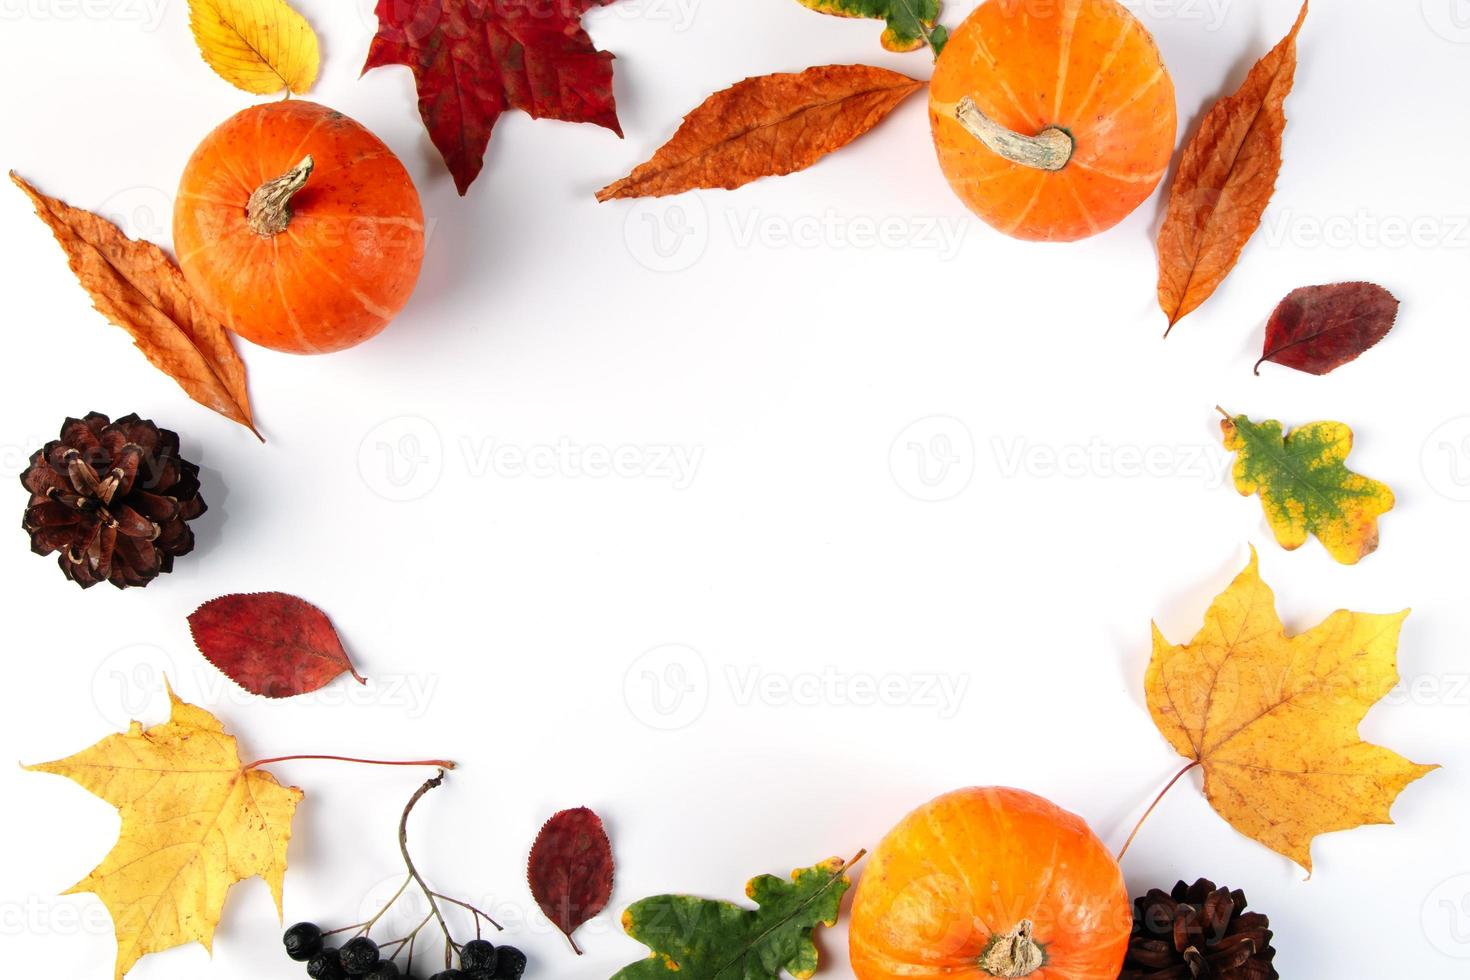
x: 477, y: 956
x: 359, y: 956
x: 510, y: 963
x: 326, y: 965
x: 303, y: 941
x: 386, y: 970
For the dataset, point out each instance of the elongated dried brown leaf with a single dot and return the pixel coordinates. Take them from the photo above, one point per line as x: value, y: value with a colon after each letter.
x: 767, y: 126
x: 1226, y: 178
x: 139, y: 288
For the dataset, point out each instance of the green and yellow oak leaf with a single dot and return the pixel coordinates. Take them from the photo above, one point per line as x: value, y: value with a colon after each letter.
x: 194, y: 822
x: 910, y: 23
x: 1305, y: 486
x: 698, y: 939
x: 1273, y: 719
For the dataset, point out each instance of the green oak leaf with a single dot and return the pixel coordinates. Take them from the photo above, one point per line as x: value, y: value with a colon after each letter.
x: 910, y: 22
x: 1305, y: 486
x: 698, y: 939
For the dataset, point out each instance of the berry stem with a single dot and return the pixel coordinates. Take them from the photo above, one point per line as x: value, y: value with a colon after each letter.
x: 470, y: 908
x: 436, y: 763
x: 367, y: 927
x: 414, y: 872
x: 1154, y: 805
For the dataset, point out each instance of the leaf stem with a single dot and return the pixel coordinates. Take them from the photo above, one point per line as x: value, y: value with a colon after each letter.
x: 436, y: 763
x: 1154, y: 805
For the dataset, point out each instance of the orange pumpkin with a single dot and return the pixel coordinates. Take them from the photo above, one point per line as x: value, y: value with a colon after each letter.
x: 298, y: 228
x: 990, y: 883
x: 1053, y: 121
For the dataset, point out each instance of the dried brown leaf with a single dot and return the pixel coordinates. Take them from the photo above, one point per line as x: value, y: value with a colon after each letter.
x: 1226, y: 178
x: 137, y: 286
x: 767, y: 126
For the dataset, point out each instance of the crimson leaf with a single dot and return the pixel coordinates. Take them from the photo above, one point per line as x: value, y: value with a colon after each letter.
x: 270, y: 643
x: 571, y: 870
x: 1320, y: 328
x: 473, y: 59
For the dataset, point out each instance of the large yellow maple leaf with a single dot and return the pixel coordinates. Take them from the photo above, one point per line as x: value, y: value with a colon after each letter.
x: 1273, y: 719
x: 194, y: 822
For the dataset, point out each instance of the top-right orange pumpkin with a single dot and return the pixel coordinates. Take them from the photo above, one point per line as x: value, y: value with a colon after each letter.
x: 1054, y: 119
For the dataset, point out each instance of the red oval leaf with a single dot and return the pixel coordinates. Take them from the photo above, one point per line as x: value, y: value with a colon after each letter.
x: 270, y: 643
x: 1319, y: 328
x: 571, y: 870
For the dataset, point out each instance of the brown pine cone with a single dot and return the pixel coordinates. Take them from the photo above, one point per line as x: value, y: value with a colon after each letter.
x: 1198, y: 932
x: 114, y: 498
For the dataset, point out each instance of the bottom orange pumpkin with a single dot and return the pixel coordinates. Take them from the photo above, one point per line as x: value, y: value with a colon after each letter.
x: 990, y: 883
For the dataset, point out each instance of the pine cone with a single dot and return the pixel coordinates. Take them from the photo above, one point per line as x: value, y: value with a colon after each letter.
x: 1199, y: 932
x: 114, y: 498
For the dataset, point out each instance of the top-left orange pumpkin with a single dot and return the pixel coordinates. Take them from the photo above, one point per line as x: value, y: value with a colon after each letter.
x: 298, y: 228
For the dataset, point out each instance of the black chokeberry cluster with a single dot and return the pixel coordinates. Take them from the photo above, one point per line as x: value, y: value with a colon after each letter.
x: 361, y: 957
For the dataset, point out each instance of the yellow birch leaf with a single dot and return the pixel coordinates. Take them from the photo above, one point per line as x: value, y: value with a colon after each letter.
x: 1273, y: 719
x: 261, y: 46
x: 194, y: 822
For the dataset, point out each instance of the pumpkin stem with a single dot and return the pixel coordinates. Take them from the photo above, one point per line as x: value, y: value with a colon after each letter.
x: 1016, y: 954
x: 269, y: 209
x: 1051, y: 149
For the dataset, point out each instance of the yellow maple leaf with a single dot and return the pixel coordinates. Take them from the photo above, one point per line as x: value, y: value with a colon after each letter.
x: 194, y: 822
x: 1273, y: 719
x: 261, y: 46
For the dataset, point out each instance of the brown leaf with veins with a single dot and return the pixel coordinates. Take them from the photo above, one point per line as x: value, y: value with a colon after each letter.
x: 1225, y: 180
x: 137, y: 286
x: 767, y: 126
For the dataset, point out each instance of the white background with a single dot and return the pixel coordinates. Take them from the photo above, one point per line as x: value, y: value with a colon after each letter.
x: 828, y: 387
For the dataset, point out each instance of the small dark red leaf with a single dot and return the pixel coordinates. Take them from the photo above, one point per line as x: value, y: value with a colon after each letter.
x: 571, y: 869
x: 270, y: 643
x: 1319, y: 328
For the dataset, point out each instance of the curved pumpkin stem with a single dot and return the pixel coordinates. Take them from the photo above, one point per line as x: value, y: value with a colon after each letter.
x: 269, y: 209
x: 1016, y: 954
x: 1051, y: 149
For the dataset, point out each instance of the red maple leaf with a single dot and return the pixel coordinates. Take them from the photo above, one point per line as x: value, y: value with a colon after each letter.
x: 473, y: 59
